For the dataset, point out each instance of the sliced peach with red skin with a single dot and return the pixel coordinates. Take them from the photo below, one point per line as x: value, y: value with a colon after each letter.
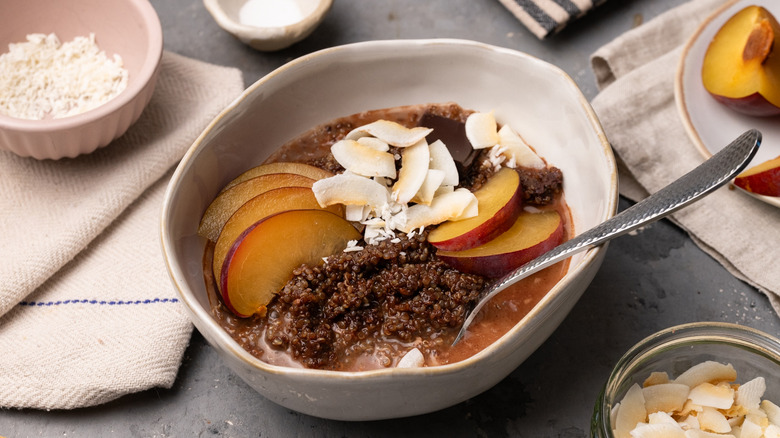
x: 530, y: 236
x: 763, y: 179
x: 231, y: 199
x: 499, y: 203
x: 741, y: 67
x: 261, y: 206
x: 303, y: 169
x: 262, y: 259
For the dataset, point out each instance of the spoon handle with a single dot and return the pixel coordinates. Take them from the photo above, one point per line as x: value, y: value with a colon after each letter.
x: 697, y: 183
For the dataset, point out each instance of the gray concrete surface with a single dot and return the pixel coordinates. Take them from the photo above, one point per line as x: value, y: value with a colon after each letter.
x: 650, y: 280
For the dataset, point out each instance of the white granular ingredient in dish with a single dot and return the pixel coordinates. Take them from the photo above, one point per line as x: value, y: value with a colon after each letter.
x: 43, y: 78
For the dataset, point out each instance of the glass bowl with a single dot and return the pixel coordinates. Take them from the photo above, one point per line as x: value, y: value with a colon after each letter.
x: 676, y: 349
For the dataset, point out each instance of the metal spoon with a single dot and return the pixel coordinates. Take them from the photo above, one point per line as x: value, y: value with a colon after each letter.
x: 692, y: 186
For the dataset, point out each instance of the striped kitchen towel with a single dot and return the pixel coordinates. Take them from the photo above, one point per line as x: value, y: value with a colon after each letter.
x: 546, y: 17
x: 87, y: 311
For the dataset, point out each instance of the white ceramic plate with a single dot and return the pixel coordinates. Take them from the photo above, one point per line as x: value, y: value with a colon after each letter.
x: 710, y: 124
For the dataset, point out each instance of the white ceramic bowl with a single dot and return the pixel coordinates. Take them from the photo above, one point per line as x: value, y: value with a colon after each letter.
x: 129, y: 28
x: 536, y: 98
x: 265, y: 33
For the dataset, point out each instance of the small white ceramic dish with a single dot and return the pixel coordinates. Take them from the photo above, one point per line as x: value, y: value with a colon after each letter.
x: 268, y: 25
x: 129, y: 28
x: 534, y: 97
x: 710, y: 124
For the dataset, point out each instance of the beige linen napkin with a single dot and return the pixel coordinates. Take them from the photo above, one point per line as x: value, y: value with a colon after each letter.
x: 637, y: 109
x: 88, y: 311
x: 546, y: 17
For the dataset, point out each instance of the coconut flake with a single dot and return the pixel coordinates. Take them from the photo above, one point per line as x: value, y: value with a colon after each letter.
x: 709, y: 371
x: 632, y: 412
x: 391, y: 133
x: 715, y: 396
x: 363, y: 160
x: 517, y: 150
x: 412, y: 359
x: 350, y: 189
x: 441, y: 159
x: 442, y: 208
x: 481, y: 130
x: 414, y: 169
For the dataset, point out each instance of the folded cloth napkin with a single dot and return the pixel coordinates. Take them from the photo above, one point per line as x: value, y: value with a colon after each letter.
x: 88, y: 312
x: 546, y: 17
x: 637, y: 109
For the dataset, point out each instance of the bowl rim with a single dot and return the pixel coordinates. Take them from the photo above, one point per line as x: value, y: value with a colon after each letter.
x: 150, y: 65
x: 266, y: 32
x: 203, y: 315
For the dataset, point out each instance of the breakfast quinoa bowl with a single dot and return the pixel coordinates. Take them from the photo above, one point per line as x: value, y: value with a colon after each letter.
x: 534, y: 98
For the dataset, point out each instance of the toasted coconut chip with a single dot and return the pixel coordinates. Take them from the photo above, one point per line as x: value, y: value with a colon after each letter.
x: 441, y: 159
x: 444, y: 189
x: 698, y: 433
x: 363, y: 160
x: 350, y: 189
x: 632, y: 412
x: 356, y: 213
x: 413, y: 359
x: 689, y: 422
x: 414, y: 169
x: 708, y: 371
x: 749, y: 393
x: 470, y: 211
x: 656, y: 378
x: 772, y: 411
x: 750, y: 429
x: 665, y: 397
x: 712, y: 420
x: 374, y: 143
x: 690, y: 407
x: 714, y: 396
x: 659, y: 430
x: 442, y: 208
x: 481, y: 130
x: 772, y: 431
x: 660, y: 418
x: 517, y: 150
x: 430, y: 185
x: 391, y: 133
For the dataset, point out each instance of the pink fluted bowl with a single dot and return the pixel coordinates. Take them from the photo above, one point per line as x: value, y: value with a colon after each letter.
x: 129, y: 28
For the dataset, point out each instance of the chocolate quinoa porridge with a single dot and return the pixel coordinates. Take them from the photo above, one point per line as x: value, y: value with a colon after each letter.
x: 365, y: 309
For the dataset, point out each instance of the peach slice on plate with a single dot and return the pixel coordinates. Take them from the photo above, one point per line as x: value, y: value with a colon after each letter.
x: 763, y: 179
x: 262, y: 259
x: 530, y: 236
x: 280, y: 167
x: 261, y: 206
x: 499, y: 205
x: 230, y: 200
x: 741, y: 67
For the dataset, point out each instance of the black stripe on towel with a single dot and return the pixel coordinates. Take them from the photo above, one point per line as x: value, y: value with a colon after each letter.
x: 570, y: 8
x: 538, y: 15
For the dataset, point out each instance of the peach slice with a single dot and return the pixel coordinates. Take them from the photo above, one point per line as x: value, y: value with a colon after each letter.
x: 763, y: 179
x: 530, y: 236
x: 499, y: 205
x: 263, y: 257
x: 741, y: 67
x: 230, y: 200
x: 261, y: 206
x: 280, y: 167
